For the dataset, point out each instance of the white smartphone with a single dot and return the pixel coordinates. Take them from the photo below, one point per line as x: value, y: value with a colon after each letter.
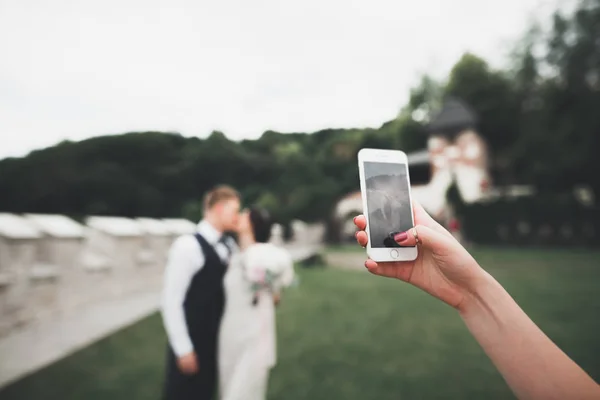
x: 387, y: 203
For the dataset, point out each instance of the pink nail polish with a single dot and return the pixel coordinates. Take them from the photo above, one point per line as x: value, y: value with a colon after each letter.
x: 401, y: 237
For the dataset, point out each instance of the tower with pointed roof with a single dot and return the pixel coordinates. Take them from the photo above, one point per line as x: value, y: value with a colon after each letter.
x: 457, y: 153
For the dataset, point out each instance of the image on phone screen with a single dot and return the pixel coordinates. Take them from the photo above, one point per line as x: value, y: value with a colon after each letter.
x: 388, y: 202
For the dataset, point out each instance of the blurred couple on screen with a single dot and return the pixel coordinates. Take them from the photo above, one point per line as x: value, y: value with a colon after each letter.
x: 218, y: 303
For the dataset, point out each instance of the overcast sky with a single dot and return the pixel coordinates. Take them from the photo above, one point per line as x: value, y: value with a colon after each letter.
x: 76, y: 69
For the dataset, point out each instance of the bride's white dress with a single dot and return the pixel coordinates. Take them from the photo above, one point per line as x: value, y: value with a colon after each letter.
x: 247, y: 342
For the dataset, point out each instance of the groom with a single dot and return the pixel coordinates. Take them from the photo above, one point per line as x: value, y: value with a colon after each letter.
x: 193, y: 298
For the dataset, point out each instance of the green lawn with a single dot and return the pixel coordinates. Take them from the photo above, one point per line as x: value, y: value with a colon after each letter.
x: 347, y: 247
x: 351, y: 335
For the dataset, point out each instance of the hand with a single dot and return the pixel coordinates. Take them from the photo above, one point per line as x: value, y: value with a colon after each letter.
x: 276, y: 298
x: 443, y: 268
x: 188, y: 363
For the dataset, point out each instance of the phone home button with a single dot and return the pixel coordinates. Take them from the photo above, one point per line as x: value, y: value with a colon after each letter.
x: 394, y: 253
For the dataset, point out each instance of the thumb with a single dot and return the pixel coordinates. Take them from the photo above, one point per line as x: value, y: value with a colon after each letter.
x: 425, y: 236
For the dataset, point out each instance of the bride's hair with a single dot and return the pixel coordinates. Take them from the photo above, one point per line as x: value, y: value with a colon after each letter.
x: 261, y: 224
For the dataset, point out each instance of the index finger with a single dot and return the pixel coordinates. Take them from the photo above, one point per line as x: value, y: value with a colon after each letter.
x: 423, y: 218
x: 361, y: 222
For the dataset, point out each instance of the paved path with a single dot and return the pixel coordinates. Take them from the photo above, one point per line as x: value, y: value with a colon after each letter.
x: 300, y: 253
x: 36, y: 346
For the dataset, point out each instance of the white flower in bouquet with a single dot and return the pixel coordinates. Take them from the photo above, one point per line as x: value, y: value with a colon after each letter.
x: 266, y: 275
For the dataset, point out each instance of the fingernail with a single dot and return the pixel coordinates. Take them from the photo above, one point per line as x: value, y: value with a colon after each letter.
x: 354, y: 219
x: 401, y: 237
x: 356, y: 235
x: 366, y: 265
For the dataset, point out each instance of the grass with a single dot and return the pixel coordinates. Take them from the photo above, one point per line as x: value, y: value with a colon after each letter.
x: 351, y: 248
x: 350, y: 335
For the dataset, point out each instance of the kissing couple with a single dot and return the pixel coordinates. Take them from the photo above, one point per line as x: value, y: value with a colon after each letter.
x: 218, y: 303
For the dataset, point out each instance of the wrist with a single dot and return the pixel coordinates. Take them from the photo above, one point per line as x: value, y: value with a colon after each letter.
x: 478, y: 295
x: 183, y: 349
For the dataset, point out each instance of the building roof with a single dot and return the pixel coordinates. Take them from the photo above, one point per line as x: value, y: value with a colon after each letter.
x: 58, y: 226
x: 454, y: 117
x: 14, y: 226
x: 180, y: 226
x: 154, y: 227
x: 115, y: 226
x: 418, y: 157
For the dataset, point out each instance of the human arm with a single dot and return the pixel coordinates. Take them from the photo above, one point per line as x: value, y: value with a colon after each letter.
x: 532, y: 365
x: 184, y: 261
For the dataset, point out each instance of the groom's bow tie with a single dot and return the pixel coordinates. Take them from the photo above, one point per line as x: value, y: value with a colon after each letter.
x: 224, y: 239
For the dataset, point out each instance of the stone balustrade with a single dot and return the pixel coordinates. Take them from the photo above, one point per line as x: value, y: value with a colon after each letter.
x: 51, y: 265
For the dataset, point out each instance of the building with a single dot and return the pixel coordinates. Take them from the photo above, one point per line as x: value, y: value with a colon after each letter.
x: 455, y: 153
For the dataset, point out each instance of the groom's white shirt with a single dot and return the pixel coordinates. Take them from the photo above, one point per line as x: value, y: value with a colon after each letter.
x: 185, y: 260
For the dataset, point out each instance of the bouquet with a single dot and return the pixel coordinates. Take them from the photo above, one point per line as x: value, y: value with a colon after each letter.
x: 262, y: 278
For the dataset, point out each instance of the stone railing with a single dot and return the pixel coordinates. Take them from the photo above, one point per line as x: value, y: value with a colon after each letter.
x: 64, y: 285
x: 52, y: 266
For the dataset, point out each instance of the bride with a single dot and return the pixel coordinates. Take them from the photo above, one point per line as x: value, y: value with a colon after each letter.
x: 253, y: 284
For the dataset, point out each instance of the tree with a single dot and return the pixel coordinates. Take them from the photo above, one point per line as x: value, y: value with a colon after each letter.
x: 424, y: 99
x: 560, y: 125
x: 540, y: 119
x: 491, y: 96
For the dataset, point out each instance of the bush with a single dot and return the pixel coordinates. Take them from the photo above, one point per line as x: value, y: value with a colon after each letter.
x: 538, y: 220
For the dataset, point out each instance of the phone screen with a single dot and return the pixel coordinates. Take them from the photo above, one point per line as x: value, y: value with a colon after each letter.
x: 388, y: 202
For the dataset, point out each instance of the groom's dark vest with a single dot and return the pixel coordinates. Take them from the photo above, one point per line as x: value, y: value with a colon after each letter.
x: 203, y: 307
x: 205, y: 300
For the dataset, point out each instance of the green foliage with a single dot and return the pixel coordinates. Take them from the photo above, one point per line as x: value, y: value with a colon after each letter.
x: 411, y: 135
x: 192, y: 210
x: 162, y: 175
x: 559, y: 120
x: 490, y: 94
x: 540, y: 119
x: 541, y: 220
x: 425, y: 98
x: 350, y: 335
